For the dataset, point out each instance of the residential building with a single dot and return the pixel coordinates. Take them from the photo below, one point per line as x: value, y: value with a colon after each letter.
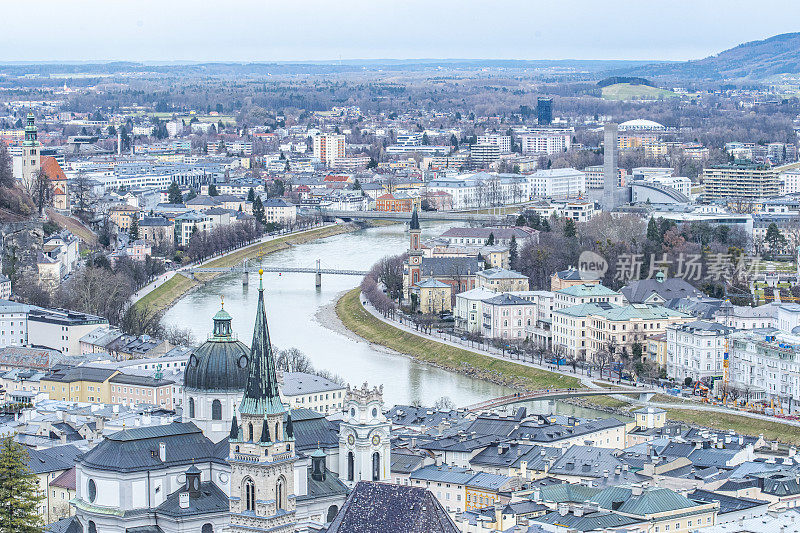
x: 743, y: 181
x: 187, y: 224
x: 280, y: 211
x: 502, y: 280
x: 765, y: 365
x: 432, y: 296
x: 585, y: 293
x: 60, y: 329
x: 697, y: 350
x: 328, y: 147
x: 482, y: 236
x: 122, y: 216
x: 468, y: 310
x: 5, y: 288
x: 132, y: 390
x: 308, y: 391
x: 14, y: 323
x: 656, y: 351
x: 398, y: 202
x: 60, y: 492
x: 567, y: 278
x: 157, y: 231
x: 547, y: 141
x: 622, y: 327
x: 48, y: 465
x: 659, y: 289
x: 79, y: 384
x: 506, y: 316
x: 501, y: 141
x: 483, y: 155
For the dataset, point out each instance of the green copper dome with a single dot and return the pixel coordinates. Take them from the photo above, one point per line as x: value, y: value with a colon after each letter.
x: 220, y: 363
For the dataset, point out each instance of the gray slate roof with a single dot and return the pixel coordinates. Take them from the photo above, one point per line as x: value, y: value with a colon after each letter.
x: 671, y: 288
x: 384, y: 508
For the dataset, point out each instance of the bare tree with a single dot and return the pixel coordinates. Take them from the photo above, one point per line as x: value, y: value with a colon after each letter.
x: 444, y: 403
x: 293, y: 360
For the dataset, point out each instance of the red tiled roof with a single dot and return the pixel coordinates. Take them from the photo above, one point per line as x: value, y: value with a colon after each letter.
x: 65, y: 480
x: 52, y: 169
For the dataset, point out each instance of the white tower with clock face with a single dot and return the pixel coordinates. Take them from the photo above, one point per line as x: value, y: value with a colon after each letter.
x: 364, y: 445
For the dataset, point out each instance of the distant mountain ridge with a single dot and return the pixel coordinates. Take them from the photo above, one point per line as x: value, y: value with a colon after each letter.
x: 754, y: 60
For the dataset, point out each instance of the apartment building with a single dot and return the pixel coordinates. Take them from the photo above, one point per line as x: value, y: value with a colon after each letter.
x: 547, y: 141
x: 501, y: 141
x: 506, y: 316
x: 765, y: 365
x: 585, y: 293
x: 502, y: 280
x: 60, y: 329
x: 743, y: 181
x: 328, y: 147
x: 307, y: 391
x: 696, y: 350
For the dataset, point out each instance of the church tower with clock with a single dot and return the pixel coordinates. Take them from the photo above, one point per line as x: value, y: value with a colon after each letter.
x: 414, y: 254
x: 364, y: 445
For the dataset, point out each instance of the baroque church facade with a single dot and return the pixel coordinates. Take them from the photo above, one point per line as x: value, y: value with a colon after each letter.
x: 267, y: 472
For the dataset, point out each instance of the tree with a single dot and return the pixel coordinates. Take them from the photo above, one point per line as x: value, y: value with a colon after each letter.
x: 444, y: 403
x: 19, y: 491
x: 293, y: 360
x: 521, y: 221
x: 42, y: 191
x: 174, y: 195
x: 569, y: 229
x: 258, y: 211
x: 133, y: 231
x: 513, y: 254
x: 6, y: 173
x: 490, y: 240
x: 79, y: 190
x: 372, y: 163
x: 653, y: 233
x: 251, y: 195
x: 356, y: 185
x: 212, y: 190
x: 775, y: 238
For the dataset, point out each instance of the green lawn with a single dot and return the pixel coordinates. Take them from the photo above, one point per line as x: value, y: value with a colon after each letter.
x: 358, y: 320
x: 626, y: 91
x: 163, y: 296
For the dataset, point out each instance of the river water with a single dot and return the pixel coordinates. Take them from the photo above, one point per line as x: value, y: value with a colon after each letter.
x: 293, y: 305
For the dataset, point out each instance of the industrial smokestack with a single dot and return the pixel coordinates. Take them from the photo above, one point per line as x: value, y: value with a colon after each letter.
x: 610, y: 167
x: 119, y: 142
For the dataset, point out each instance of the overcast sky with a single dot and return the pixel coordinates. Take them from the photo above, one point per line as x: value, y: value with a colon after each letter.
x: 291, y: 30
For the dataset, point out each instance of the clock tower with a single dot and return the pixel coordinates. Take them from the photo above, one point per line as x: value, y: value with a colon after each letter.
x: 414, y: 254
x: 364, y: 444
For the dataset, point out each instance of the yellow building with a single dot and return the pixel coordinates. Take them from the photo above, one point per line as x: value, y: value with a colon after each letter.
x: 122, y: 216
x: 432, y: 296
x: 656, y: 349
x: 79, y: 384
x: 62, y: 490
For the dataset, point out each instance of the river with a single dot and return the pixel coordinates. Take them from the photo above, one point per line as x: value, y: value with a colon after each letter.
x: 293, y: 305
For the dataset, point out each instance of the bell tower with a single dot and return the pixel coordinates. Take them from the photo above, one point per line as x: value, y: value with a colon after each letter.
x: 262, y: 453
x: 414, y: 253
x: 31, y: 157
x: 364, y: 437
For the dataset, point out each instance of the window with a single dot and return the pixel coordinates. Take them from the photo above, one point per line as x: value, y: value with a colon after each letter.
x: 250, y: 494
x: 332, y: 512
x: 191, y: 407
x: 280, y: 493
x: 207, y: 528
x: 92, y: 491
x: 216, y: 410
x: 376, y: 466
x: 350, y: 466
x: 92, y: 527
x: 250, y: 431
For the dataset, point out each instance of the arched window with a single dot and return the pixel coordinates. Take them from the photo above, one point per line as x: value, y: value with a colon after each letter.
x: 191, y: 407
x: 376, y: 466
x: 250, y: 431
x: 332, y: 512
x: 216, y: 410
x: 249, y: 494
x: 277, y: 435
x: 280, y: 493
x: 350, y: 466
x: 207, y: 528
x: 92, y: 527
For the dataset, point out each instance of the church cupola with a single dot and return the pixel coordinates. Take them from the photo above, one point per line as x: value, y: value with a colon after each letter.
x: 193, y: 482
x: 318, y: 465
x: 222, y: 323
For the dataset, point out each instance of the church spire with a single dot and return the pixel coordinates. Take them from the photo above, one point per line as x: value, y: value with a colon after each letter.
x: 261, y: 393
x: 234, y: 426
x: 414, y: 224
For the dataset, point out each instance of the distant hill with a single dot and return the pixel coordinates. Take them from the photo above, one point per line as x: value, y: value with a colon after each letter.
x: 756, y: 60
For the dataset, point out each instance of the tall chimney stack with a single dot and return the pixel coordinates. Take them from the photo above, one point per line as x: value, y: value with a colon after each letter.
x: 610, y: 167
x: 119, y: 141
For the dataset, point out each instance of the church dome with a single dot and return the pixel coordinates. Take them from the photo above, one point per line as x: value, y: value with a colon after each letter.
x: 220, y: 363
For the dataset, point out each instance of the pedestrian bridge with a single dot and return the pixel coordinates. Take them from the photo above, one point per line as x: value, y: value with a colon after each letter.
x: 246, y: 267
x: 559, y: 394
